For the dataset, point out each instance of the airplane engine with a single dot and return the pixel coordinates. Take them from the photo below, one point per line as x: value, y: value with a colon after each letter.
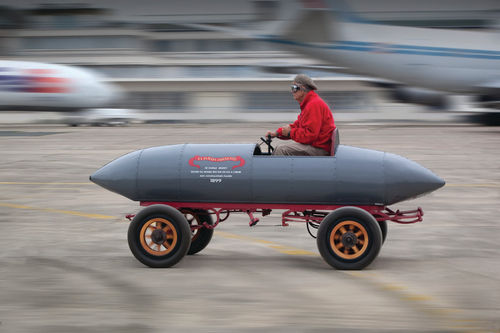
x: 420, y: 96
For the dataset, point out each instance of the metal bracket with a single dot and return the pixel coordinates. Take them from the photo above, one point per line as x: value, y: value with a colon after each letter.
x: 253, y: 220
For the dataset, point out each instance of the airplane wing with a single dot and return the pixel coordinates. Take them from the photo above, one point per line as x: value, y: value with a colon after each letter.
x: 490, y: 94
x: 492, y: 86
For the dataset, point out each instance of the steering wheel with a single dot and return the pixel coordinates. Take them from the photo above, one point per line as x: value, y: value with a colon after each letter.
x: 270, y: 148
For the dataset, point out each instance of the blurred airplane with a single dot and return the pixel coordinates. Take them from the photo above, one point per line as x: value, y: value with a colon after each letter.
x: 420, y: 65
x: 35, y: 86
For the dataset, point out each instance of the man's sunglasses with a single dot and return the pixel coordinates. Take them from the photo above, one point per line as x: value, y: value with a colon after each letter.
x: 295, y: 88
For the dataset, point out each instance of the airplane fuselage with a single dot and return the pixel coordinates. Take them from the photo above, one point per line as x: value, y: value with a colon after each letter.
x: 446, y: 60
x: 40, y: 86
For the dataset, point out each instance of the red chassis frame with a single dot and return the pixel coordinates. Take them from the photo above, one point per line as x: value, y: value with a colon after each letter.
x: 293, y: 213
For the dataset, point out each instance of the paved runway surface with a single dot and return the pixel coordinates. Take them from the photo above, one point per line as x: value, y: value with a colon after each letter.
x: 65, y: 265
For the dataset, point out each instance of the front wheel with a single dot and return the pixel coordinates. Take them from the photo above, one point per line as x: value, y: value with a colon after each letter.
x: 349, y: 238
x: 159, y: 236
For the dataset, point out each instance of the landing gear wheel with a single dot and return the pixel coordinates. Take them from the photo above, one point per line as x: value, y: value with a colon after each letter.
x: 159, y: 236
x: 202, y: 236
x: 349, y: 238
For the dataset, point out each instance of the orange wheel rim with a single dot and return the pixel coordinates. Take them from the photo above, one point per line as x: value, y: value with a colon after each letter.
x: 349, y: 239
x: 193, y: 220
x: 158, y: 236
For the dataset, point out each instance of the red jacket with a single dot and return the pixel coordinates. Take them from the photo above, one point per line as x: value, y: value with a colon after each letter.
x: 314, y: 125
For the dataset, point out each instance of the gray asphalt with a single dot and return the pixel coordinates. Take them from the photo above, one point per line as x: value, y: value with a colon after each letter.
x: 65, y: 265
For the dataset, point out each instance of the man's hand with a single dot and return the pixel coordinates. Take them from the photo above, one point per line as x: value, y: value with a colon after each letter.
x: 285, y: 130
x: 272, y: 134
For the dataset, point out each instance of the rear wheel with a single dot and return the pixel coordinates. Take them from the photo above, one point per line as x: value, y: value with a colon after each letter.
x: 159, y: 236
x: 349, y: 238
x: 383, y: 228
x: 201, y: 236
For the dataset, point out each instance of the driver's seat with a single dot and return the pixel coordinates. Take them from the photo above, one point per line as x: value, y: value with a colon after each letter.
x: 335, y: 141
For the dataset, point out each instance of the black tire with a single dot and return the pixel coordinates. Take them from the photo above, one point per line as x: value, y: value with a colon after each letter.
x: 159, y: 236
x: 349, y: 238
x: 383, y: 228
x: 199, y: 237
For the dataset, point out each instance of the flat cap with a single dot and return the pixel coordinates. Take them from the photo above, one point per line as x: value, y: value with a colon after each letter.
x: 306, y: 81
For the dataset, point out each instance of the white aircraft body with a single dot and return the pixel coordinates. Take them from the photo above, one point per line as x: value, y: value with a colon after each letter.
x: 452, y: 61
x: 37, y: 86
x: 440, y: 61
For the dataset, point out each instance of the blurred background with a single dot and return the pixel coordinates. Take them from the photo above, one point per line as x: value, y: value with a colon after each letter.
x: 65, y: 265
x: 198, y: 60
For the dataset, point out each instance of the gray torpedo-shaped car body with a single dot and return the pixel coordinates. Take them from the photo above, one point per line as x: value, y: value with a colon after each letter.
x: 184, y: 185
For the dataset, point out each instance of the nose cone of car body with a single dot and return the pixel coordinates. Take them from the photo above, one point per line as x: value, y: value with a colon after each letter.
x: 405, y: 179
x: 120, y: 175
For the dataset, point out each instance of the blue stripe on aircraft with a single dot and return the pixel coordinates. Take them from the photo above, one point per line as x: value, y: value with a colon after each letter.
x: 420, y: 48
x: 437, y: 52
x: 393, y: 48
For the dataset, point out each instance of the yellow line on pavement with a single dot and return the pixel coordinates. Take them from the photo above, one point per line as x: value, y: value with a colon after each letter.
x: 59, y: 211
x: 422, y: 301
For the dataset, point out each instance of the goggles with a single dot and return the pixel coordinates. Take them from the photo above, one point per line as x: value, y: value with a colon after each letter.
x: 294, y: 88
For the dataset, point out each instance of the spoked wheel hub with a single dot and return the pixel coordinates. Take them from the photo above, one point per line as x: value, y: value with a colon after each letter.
x: 349, y: 239
x: 158, y: 236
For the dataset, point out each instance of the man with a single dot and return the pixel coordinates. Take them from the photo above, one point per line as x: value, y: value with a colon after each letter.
x: 312, y: 131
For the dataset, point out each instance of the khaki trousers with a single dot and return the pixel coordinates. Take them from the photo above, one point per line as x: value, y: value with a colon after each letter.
x: 293, y: 148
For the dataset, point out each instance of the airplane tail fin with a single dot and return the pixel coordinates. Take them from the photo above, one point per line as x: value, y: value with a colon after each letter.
x: 344, y: 12
x: 310, y: 25
x: 319, y: 21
